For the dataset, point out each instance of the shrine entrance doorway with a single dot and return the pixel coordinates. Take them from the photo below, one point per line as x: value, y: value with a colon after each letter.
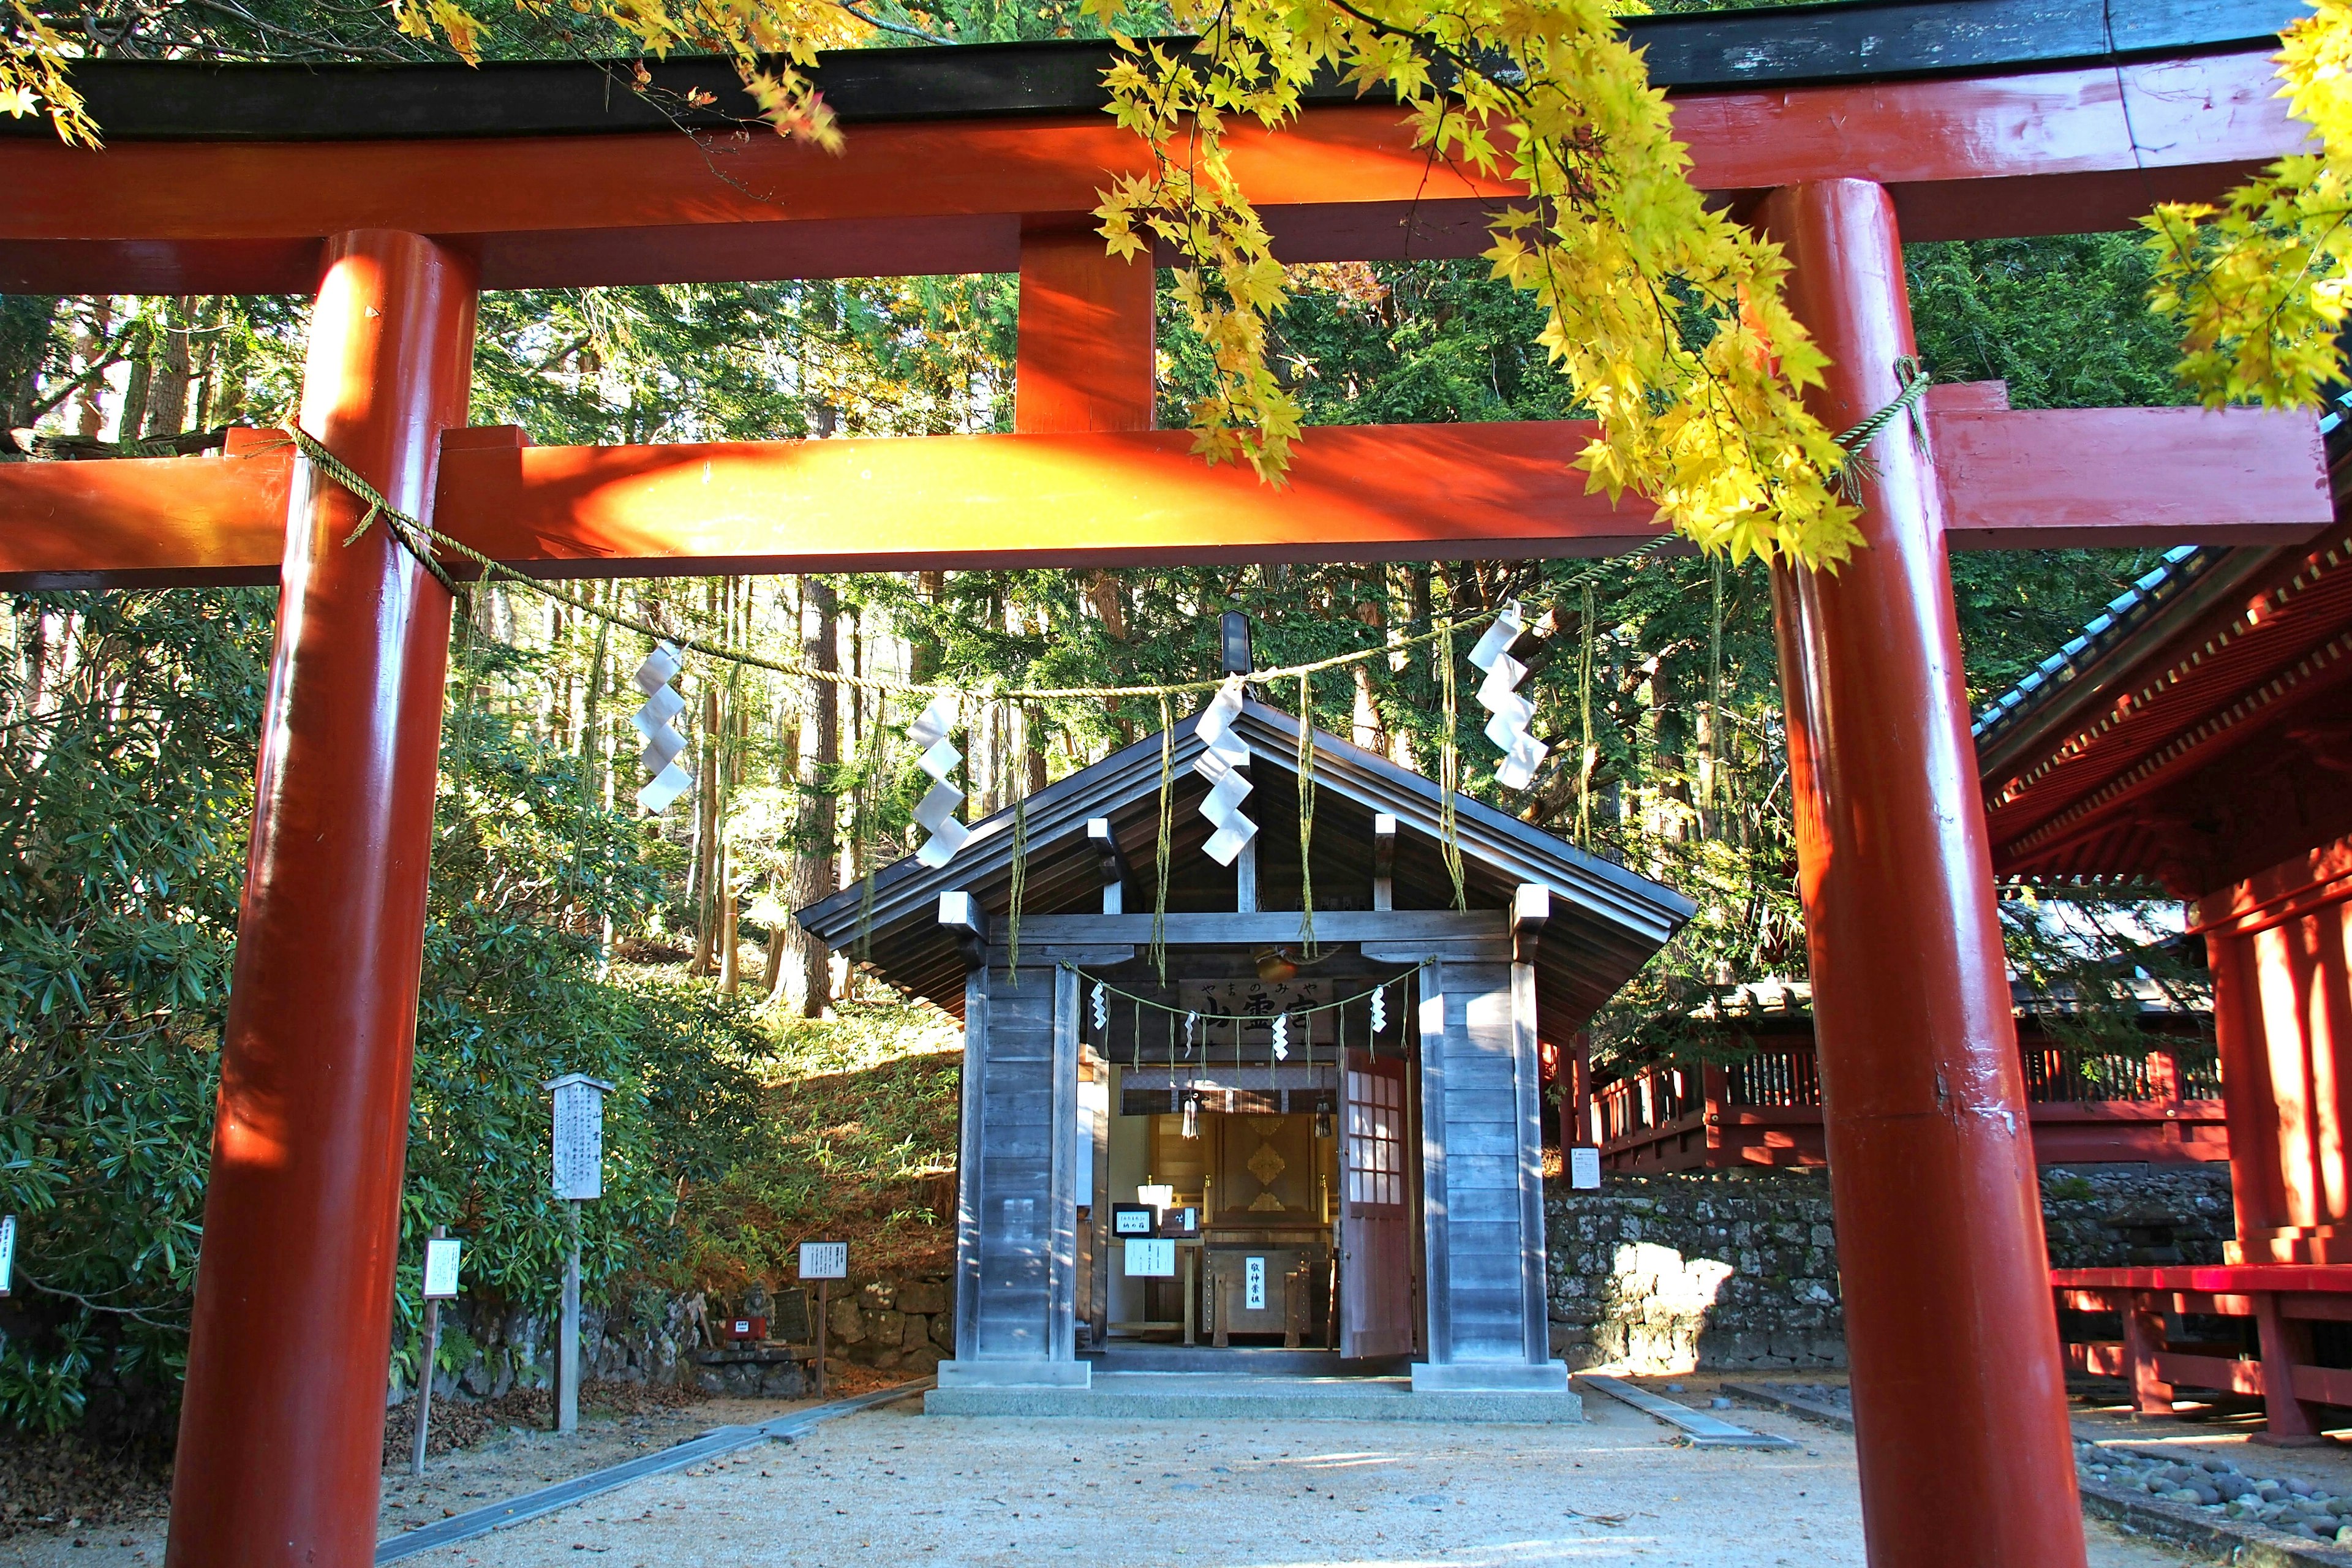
x: 1287, y: 1187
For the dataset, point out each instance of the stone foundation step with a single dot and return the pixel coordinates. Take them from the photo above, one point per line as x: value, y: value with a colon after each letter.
x: 1238, y: 1361
x: 1196, y: 1396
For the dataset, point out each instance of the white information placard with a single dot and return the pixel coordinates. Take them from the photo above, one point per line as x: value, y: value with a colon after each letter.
x: 1150, y: 1258
x: 8, y: 1251
x: 580, y: 1135
x: 825, y: 1261
x: 1254, y: 1284
x: 1584, y: 1169
x: 441, y: 1256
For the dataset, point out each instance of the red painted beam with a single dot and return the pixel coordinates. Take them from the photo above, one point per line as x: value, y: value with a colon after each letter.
x: 2048, y: 152
x: 1395, y: 492
x: 2090, y: 477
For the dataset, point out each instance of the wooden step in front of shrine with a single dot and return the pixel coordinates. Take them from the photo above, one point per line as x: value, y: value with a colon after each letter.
x: 1206, y: 1396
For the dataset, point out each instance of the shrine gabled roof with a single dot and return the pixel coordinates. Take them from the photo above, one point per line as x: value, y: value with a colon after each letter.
x: 1606, y: 922
x: 1850, y: 41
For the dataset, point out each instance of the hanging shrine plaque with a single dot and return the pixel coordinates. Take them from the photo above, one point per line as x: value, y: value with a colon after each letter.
x: 1260, y: 1002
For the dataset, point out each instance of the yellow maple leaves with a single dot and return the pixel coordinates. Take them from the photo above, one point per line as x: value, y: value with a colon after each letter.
x: 1665, y: 315
x: 33, y: 72
x: 2260, y: 286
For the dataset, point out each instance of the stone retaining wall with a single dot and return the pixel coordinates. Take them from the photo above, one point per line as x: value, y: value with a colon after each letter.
x: 646, y: 1342
x: 1737, y: 1270
x: 893, y: 1322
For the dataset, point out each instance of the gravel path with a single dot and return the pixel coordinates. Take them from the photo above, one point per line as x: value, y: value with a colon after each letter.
x: 895, y: 1487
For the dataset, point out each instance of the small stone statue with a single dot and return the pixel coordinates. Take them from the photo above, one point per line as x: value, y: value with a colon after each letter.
x: 755, y: 1305
x: 697, y: 1320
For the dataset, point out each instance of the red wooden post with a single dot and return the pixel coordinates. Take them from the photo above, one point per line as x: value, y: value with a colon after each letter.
x: 1959, y: 1390
x: 2286, y: 1343
x: 281, y: 1428
x: 1085, y: 359
x: 2142, y: 1338
x: 1714, y: 1095
x: 1575, y: 1115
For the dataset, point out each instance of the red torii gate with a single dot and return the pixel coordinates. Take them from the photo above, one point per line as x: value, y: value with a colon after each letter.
x: 1965, y: 1458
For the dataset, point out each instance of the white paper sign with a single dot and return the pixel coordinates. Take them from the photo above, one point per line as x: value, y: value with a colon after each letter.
x: 441, y: 1254
x: 1254, y: 1284
x: 579, y: 1136
x: 1584, y: 1169
x: 8, y: 1251
x: 1150, y: 1258
x: 825, y: 1261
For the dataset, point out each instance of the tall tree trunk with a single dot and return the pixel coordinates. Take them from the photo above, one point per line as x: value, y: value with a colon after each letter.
x: 91, y: 417
x: 730, y: 952
x: 1370, y: 734
x: 141, y: 380
x: 819, y: 872
x: 167, y: 398
x: 783, y: 956
x: 705, y: 834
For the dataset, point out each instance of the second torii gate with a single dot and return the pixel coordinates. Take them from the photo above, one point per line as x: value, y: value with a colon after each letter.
x: 397, y: 193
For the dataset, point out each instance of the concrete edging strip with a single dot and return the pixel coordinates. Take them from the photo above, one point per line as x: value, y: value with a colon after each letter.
x: 711, y: 1445
x: 2251, y: 1545
x: 1704, y: 1431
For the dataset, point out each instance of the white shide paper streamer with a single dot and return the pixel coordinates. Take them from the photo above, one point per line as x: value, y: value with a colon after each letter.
x: 1225, y: 766
x: 662, y: 744
x: 1522, y: 752
x: 937, y: 810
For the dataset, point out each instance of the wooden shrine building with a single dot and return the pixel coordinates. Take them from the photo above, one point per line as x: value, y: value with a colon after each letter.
x: 392, y: 196
x: 1369, y: 1179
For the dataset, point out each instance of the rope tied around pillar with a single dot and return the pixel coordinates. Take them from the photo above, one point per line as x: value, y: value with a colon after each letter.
x: 1911, y: 381
x: 410, y: 534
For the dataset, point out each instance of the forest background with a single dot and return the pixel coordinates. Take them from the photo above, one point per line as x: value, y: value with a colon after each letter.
x: 766, y: 1092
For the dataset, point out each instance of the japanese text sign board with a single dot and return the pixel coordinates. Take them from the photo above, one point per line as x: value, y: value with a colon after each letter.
x: 1150, y: 1260
x: 580, y: 1135
x: 441, y: 1254
x: 1584, y: 1169
x: 825, y: 1261
x: 8, y: 1251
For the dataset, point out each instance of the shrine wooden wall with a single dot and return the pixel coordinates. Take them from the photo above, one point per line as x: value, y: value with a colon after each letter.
x: 1482, y: 1179
x: 1016, y: 1242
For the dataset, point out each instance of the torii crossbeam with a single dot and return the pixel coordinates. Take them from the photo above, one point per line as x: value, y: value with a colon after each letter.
x: 398, y: 194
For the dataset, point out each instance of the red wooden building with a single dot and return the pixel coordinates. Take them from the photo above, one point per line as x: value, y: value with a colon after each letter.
x: 396, y: 194
x: 2160, y: 1103
x: 2199, y: 737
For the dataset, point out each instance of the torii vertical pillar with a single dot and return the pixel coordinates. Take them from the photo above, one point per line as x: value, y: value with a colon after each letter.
x: 281, y: 1428
x: 1959, y: 1393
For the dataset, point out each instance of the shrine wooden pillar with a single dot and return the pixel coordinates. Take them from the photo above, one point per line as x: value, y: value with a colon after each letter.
x: 1960, y: 1401
x: 281, y: 1428
x: 2280, y: 946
